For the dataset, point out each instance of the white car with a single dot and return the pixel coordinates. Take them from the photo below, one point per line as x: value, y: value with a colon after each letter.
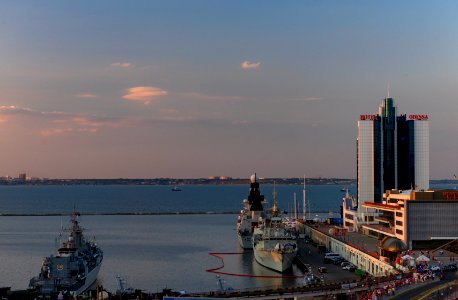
x: 348, y: 267
x: 435, y: 268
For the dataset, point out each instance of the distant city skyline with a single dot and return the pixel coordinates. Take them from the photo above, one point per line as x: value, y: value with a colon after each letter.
x: 191, y: 89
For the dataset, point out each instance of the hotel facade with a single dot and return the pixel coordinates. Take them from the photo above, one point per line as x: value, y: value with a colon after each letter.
x: 392, y: 153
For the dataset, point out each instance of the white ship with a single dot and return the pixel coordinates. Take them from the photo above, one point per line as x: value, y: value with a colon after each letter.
x: 274, y: 246
x: 250, y: 214
x: 73, y: 269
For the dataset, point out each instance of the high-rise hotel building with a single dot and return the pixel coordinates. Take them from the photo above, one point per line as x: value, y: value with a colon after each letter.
x: 392, y: 153
x: 394, y: 201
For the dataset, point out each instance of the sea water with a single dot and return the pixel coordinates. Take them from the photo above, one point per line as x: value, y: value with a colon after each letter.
x: 42, y: 199
x: 150, y: 251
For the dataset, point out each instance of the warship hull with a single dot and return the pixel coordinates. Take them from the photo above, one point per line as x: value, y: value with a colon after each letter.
x: 245, y: 240
x: 274, y: 260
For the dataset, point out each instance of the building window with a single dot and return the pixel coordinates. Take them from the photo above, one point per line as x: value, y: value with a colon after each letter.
x: 398, y: 231
x: 399, y: 214
x: 399, y: 223
x: 348, y: 224
x: 348, y: 216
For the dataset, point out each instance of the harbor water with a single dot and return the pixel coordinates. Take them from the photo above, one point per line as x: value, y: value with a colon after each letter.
x: 151, y: 252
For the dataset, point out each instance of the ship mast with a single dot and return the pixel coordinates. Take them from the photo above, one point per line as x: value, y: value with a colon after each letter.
x: 274, y: 208
x: 304, y: 204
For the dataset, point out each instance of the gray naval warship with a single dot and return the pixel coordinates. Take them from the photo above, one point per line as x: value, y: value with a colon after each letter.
x: 75, y: 266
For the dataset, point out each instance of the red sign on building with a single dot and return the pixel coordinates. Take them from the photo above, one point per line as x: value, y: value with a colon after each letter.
x: 418, y: 117
x: 450, y: 195
x: 368, y: 117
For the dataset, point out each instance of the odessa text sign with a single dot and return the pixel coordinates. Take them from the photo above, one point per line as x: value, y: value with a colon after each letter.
x: 418, y: 117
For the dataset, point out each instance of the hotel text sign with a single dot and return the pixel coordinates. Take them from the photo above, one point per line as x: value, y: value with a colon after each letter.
x: 368, y: 117
x: 418, y: 117
x: 450, y: 195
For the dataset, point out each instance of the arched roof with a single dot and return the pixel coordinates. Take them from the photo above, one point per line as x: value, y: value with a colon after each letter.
x: 392, y: 244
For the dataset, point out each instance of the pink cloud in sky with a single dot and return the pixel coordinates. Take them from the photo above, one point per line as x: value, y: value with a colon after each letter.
x: 121, y: 64
x: 144, y: 94
x: 59, y: 123
x: 66, y: 131
x: 250, y: 65
x: 98, y: 121
x: 86, y: 96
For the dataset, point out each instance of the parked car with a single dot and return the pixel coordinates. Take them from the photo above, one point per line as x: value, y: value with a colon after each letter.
x: 348, y: 267
x: 337, y: 261
x: 435, y: 268
x: 345, y: 263
x: 331, y: 255
x: 322, y: 269
x: 450, y: 268
x: 328, y: 260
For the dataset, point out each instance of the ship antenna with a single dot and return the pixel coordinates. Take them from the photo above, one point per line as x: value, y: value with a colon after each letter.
x: 275, y: 199
x: 303, y: 202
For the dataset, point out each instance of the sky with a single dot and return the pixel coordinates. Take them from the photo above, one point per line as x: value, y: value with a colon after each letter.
x: 182, y: 89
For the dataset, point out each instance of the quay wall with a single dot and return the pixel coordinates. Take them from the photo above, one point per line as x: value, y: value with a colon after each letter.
x: 361, y: 259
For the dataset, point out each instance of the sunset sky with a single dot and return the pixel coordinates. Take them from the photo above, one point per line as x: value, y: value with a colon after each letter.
x: 143, y: 89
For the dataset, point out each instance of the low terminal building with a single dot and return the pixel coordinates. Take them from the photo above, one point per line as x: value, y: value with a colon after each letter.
x: 362, y: 251
x: 420, y: 219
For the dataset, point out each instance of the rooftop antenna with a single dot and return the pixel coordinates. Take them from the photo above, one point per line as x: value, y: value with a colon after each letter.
x: 388, y: 89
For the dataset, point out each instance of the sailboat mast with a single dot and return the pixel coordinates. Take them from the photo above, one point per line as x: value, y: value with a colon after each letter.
x: 295, y: 207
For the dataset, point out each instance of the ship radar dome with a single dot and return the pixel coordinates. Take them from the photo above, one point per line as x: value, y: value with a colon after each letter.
x: 253, y: 178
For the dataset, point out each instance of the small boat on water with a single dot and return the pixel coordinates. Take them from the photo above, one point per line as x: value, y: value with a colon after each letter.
x: 73, y: 269
x: 176, y: 189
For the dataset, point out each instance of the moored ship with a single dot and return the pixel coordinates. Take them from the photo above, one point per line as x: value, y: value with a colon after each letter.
x: 75, y: 266
x: 274, y: 246
x: 250, y: 214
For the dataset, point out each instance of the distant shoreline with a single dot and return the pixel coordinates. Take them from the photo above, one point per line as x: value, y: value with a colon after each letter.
x: 130, y: 214
x: 194, y: 181
x: 174, y: 181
